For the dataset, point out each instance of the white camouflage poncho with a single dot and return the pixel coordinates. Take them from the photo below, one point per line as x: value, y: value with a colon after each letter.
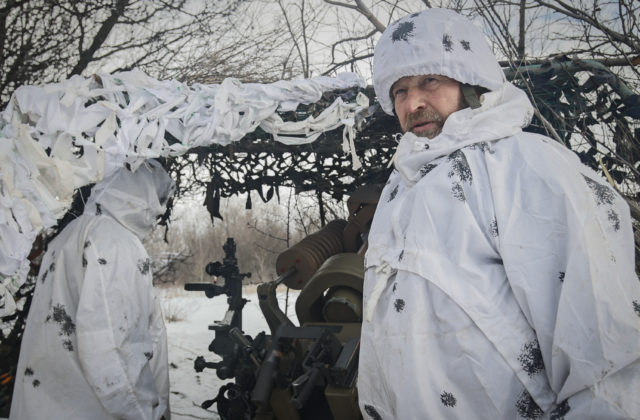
x: 95, y: 345
x: 499, y: 277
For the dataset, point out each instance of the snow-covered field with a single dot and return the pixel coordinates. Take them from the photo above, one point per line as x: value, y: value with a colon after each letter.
x: 189, y: 338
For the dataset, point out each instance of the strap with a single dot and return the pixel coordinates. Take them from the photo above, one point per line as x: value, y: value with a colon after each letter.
x: 470, y: 95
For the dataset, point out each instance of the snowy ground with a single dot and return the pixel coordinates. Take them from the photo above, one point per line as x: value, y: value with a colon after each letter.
x: 190, y: 337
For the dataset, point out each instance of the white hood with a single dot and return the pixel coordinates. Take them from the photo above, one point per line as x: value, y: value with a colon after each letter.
x: 503, y: 113
x: 442, y: 42
x: 436, y: 41
x: 134, y: 199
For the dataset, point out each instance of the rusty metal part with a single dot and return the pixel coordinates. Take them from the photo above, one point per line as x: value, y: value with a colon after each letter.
x: 342, y: 304
x: 269, y: 302
x: 308, y: 255
x: 367, y: 194
x: 362, y: 206
x: 345, y: 270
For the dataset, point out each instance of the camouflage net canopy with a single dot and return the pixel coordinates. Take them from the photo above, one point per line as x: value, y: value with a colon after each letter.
x: 257, y: 165
x: 579, y: 103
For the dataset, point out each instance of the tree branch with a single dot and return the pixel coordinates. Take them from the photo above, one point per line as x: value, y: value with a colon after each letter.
x: 361, y: 8
x: 609, y: 62
x: 370, y: 16
x: 581, y: 15
x: 87, y: 56
x: 344, y: 63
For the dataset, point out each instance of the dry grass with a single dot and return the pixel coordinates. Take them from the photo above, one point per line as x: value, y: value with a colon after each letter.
x: 174, y: 308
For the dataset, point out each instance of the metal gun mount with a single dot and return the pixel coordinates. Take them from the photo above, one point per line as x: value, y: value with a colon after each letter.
x: 227, y: 342
x: 296, y: 373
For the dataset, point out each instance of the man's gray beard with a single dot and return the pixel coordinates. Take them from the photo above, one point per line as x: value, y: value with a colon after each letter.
x: 426, y: 114
x: 428, y: 135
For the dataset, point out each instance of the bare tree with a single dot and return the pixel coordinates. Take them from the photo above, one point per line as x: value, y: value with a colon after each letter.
x: 261, y: 235
x: 523, y: 30
x: 302, y: 19
x: 246, y: 44
x: 42, y: 41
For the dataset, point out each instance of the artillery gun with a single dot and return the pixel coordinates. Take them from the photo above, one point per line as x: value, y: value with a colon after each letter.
x: 301, y: 372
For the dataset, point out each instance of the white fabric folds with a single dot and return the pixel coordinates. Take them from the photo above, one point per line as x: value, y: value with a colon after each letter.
x: 59, y: 137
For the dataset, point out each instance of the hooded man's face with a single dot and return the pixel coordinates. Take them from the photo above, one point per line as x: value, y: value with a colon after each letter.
x: 423, y: 103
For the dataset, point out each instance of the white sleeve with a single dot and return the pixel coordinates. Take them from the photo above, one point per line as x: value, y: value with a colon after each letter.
x: 160, y: 360
x: 567, y: 246
x: 113, y: 325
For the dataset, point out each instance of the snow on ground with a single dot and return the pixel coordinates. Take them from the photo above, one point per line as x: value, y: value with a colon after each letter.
x: 189, y: 337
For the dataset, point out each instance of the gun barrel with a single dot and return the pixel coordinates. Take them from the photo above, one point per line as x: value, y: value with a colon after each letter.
x: 209, y: 289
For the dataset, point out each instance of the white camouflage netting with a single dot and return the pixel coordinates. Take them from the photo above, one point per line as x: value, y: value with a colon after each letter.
x: 122, y: 118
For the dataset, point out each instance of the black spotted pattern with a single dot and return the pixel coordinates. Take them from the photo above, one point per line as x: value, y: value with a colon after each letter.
x: 614, y: 219
x: 560, y: 411
x: 393, y: 193
x: 460, y: 169
x: 36, y: 383
x: 98, y: 209
x: 530, y: 358
x: 372, y: 412
x: 527, y: 407
x: 483, y: 146
x: 458, y: 192
x: 67, y: 345
x: 493, y: 228
x: 51, y: 269
x: 44, y: 276
x: 28, y: 371
x: 603, y: 194
x: 448, y: 399
x: 561, y: 276
x: 447, y: 43
x: 399, y: 305
x: 144, y: 266
x: 636, y: 307
x: 466, y: 45
x: 148, y: 355
x: 102, y: 261
x: 403, y: 32
x: 427, y: 168
x: 460, y: 166
x: 60, y: 316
